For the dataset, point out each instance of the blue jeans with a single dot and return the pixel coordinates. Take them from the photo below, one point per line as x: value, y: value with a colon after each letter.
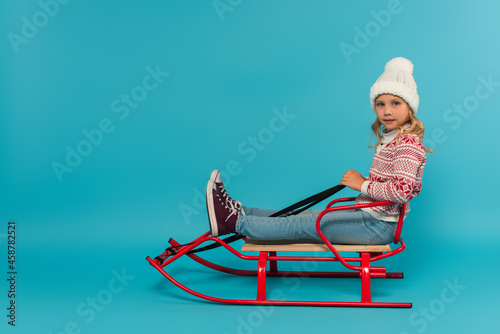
x: 340, y: 227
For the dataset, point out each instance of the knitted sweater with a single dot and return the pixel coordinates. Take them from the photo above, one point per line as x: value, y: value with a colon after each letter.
x: 395, y: 175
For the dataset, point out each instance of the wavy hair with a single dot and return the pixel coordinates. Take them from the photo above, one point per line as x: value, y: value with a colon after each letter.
x: 412, y: 126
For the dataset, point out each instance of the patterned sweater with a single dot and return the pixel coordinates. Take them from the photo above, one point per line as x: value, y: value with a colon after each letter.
x: 395, y: 175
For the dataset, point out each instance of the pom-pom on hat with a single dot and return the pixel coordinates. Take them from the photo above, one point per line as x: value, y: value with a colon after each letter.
x: 397, y: 80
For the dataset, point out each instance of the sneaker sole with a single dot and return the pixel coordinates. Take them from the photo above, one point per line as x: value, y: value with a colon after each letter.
x: 210, y: 203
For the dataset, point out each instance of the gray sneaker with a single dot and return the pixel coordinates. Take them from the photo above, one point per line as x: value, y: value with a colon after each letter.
x: 222, y: 210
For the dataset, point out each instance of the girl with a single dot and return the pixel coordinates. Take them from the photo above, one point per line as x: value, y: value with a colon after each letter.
x: 395, y: 175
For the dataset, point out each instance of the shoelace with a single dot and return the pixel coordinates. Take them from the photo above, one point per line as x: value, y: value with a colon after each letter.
x: 230, y: 204
x: 234, y: 207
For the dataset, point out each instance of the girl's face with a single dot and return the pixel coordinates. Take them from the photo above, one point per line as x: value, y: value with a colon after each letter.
x: 392, y: 111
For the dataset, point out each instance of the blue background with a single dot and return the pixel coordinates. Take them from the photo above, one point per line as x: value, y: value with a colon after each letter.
x: 229, y: 71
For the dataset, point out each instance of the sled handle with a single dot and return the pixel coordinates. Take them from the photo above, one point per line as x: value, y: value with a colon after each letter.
x: 340, y: 208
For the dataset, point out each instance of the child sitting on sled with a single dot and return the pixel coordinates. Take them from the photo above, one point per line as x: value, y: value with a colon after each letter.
x: 395, y: 175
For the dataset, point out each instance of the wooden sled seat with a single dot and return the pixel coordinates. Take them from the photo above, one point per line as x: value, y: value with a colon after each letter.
x: 252, y: 245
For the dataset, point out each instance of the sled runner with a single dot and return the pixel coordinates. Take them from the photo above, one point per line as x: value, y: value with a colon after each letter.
x: 360, y: 267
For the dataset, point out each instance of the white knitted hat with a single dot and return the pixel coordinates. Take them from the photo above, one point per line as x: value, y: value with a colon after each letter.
x: 397, y: 80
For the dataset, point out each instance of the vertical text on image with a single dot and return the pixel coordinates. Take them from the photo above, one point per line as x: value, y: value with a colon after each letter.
x: 11, y: 273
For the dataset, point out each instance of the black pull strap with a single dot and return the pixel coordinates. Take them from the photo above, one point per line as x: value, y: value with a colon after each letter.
x: 298, y: 207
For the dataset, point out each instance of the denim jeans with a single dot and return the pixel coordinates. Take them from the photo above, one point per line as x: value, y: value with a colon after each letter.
x: 340, y: 227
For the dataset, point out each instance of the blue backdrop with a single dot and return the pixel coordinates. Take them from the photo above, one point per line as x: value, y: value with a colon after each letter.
x: 113, y: 114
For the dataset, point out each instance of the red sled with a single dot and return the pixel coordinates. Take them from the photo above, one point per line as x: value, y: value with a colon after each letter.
x: 267, y: 262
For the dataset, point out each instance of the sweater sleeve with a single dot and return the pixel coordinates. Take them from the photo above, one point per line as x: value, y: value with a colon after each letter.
x: 408, y: 158
x: 364, y: 187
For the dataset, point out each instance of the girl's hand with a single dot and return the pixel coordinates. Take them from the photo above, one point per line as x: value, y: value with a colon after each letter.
x: 353, y: 180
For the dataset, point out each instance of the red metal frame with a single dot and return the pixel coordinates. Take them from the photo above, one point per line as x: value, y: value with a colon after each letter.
x: 364, y: 270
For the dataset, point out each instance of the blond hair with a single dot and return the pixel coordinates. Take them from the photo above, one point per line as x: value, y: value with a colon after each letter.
x: 412, y: 126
